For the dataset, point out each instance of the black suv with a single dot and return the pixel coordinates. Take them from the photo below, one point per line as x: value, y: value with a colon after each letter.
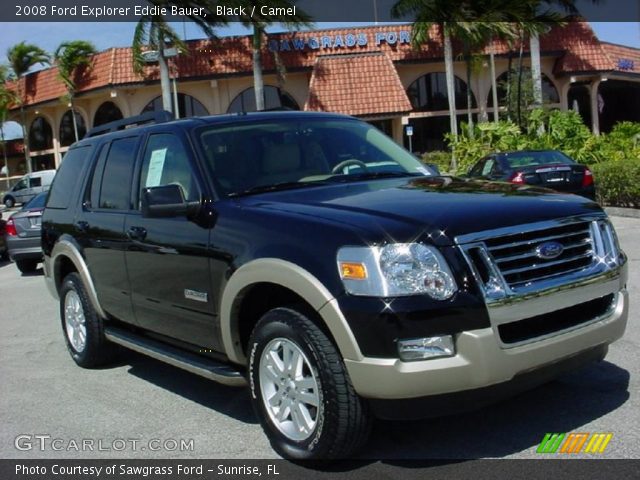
x: 312, y: 258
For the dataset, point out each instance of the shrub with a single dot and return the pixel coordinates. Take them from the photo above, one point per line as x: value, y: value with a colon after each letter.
x: 614, y: 157
x: 439, y: 158
x: 618, y: 182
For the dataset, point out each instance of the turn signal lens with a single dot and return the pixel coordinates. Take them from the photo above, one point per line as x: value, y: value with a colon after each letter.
x: 353, y: 271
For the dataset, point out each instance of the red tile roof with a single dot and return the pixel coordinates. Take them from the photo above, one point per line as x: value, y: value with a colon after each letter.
x: 625, y: 59
x: 576, y: 45
x: 358, y: 84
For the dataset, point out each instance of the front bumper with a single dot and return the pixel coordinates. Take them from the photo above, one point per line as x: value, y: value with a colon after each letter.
x: 482, y: 360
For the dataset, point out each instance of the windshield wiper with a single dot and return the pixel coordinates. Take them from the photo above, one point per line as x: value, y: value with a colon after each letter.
x: 276, y: 187
x: 373, y: 175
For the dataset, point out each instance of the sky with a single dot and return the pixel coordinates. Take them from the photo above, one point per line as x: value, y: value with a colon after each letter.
x: 119, y: 34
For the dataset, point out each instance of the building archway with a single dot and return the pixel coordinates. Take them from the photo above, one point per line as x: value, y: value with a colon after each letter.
x: 618, y: 101
x: 274, y: 98
x: 188, y: 106
x: 40, y: 135
x: 579, y: 100
x: 428, y: 94
x: 67, y: 134
x: 107, y: 112
x: 550, y: 93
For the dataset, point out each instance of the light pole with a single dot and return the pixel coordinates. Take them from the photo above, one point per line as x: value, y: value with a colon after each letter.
x: 153, y: 56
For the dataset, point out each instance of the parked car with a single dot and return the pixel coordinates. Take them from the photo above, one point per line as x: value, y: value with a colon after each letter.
x: 542, y: 168
x: 3, y: 244
x: 28, y: 187
x: 310, y: 257
x: 22, y: 234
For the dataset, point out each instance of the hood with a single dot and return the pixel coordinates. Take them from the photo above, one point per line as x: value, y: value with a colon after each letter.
x: 439, y: 207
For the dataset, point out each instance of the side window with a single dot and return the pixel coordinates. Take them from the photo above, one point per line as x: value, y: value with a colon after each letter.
x: 116, y: 176
x: 476, y: 171
x: 21, y: 185
x: 166, y: 162
x: 35, y: 182
x: 488, y: 165
x: 497, y: 168
x: 67, y: 177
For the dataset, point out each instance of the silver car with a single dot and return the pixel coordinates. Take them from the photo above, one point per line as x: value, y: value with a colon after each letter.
x: 22, y: 234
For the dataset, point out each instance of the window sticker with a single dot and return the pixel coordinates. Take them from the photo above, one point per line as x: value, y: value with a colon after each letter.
x: 156, y: 164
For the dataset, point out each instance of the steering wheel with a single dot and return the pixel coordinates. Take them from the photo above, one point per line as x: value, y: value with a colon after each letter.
x: 346, y: 163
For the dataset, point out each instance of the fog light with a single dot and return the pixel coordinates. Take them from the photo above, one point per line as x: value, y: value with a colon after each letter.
x: 426, y: 348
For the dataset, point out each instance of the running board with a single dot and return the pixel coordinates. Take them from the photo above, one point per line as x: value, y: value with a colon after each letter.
x: 205, y: 367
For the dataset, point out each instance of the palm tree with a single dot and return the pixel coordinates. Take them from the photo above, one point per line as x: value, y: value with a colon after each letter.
x: 155, y: 33
x: 473, y: 22
x: 259, y: 25
x: 73, y: 60
x: 444, y: 14
x: 474, y: 35
x: 569, y: 7
x: 22, y: 57
x: 7, y: 98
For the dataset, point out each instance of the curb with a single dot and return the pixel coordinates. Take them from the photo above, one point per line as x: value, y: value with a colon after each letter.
x: 623, y: 212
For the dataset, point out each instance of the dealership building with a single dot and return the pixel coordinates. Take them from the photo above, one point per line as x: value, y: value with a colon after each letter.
x: 370, y: 72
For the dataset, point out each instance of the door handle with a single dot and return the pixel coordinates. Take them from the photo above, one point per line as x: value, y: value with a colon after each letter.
x: 82, y: 226
x: 137, y: 233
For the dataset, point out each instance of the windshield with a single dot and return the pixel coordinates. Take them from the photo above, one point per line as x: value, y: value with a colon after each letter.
x: 256, y: 156
x: 528, y: 159
x: 36, y: 202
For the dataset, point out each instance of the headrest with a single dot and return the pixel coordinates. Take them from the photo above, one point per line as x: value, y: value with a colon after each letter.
x: 281, y: 158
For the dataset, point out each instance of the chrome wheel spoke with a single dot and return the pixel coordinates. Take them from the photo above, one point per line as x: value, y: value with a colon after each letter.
x: 273, y: 376
x: 276, y: 400
x: 306, y: 383
x: 289, y: 389
x: 285, y: 409
x: 274, y: 361
x: 302, y: 418
x: 308, y: 398
x: 75, y: 321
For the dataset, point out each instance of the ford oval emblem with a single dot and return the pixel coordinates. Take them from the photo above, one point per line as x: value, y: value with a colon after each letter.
x: 549, y: 250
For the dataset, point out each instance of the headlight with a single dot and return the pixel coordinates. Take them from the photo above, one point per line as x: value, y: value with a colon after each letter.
x: 397, y: 269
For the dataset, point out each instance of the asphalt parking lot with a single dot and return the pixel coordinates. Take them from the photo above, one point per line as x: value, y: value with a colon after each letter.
x: 156, y: 407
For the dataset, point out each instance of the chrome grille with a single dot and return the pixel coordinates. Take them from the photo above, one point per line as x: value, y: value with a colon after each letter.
x: 507, y: 262
x: 516, y: 256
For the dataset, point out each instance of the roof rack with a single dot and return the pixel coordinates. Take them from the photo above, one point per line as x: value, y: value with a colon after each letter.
x: 161, y: 116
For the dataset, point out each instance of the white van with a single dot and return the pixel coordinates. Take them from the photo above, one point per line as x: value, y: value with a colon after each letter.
x: 28, y: 187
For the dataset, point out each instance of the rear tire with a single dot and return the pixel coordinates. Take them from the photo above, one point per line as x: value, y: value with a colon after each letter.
x: 309, y: 410
x: 27, y: 266
x: 82, y: 327
x: 9, y: 202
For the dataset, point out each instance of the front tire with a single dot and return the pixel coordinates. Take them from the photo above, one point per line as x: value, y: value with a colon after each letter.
x: 301, y: 391
x: 9, y: 202
x: 82, y: 326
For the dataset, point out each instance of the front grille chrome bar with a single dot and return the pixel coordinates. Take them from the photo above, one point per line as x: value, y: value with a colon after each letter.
x: 506, y: 262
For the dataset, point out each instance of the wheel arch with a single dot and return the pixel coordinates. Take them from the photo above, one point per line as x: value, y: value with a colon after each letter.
x: 66, y: 257
x: 296, y: 280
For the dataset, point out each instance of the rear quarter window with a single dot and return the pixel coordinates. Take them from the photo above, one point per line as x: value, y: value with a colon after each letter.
x: 68, y: 177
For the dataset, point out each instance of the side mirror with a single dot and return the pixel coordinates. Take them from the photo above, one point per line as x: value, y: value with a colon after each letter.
x: 166, y: 201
